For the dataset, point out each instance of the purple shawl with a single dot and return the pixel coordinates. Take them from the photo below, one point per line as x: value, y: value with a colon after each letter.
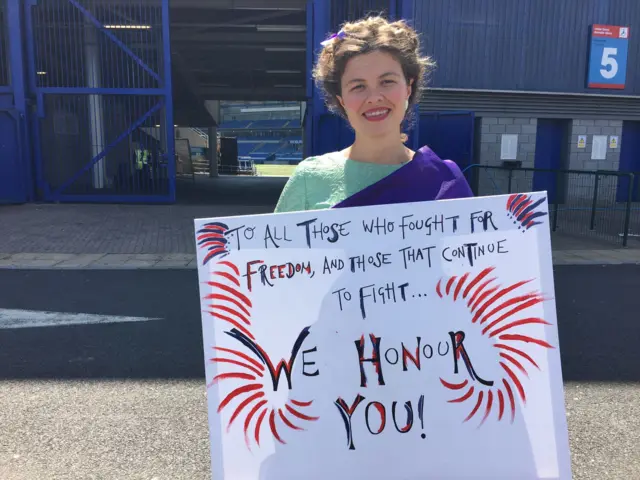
x: 425, y: 177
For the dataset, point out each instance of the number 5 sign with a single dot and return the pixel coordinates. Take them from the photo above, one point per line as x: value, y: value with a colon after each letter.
x: 608, y: 56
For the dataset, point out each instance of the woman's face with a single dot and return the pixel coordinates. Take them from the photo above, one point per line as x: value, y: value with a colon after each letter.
x: 374, y: 94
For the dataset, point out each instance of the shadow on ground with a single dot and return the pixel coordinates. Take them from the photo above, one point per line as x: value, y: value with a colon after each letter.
x: 597, y: 316
x: 230, y: 190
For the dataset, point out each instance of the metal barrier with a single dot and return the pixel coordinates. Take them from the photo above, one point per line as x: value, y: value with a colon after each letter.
x: 100, y: 78
x: 599, y: 204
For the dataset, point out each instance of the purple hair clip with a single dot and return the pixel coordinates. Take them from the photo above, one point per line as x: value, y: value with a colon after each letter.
x: 341, y: 34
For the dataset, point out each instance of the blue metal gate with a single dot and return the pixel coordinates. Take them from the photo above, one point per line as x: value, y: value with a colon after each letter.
x: 449, y: 134
x: 552, y: 141
x: 629, y: 161
x: 100, y: 76
x: 14, y: 163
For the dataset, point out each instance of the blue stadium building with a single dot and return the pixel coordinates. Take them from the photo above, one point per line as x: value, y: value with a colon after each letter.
x: 93, y: 92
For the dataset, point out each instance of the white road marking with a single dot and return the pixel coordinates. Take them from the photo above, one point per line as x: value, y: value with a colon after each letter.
x: 37, y: 318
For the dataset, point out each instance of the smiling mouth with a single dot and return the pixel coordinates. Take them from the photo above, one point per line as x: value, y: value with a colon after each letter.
x: 377, y: 115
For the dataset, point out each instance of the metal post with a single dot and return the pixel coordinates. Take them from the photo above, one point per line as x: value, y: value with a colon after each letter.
x: 317, y: 31
x: 595, y: 201
x: 96, y: 117
x: 17, y: 82
x: 308, y: 121
x: 627, y: 215
x: 557, y: 201
x: 510, y: 180
x: 168, y: 104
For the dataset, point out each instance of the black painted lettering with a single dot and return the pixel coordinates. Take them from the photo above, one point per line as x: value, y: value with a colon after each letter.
x: 406, y: 355
x: 305, y: 363
x: 459, y: 351
x: 374, y: 359
x: 346, y: 412
x: 382, y: 412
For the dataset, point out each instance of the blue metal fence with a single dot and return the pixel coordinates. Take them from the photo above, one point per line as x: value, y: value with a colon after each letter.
x: 4, y: 57
x: 14, y: 153
x: 100, y: 73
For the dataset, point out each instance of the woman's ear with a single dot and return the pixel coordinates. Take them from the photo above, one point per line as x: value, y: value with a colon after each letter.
x: 342, y: 107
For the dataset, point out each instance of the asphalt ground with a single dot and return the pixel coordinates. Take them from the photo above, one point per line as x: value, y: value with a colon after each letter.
x: 126, y: 400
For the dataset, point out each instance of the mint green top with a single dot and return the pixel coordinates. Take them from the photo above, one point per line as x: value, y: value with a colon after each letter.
x: 323, y: 181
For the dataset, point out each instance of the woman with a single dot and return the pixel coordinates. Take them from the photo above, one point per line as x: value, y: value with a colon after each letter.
x: 371, y: 73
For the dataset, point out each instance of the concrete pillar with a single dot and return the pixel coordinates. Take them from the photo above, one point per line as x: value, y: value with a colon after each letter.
x: 318, y: 25
x: 212, y: 152
x: 213, y: 107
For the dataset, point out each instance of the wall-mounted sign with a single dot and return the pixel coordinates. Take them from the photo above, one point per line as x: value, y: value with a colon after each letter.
x: 613, y: 141
x: 608, y: 56
x: 582, y: 141
x: 509, y: 147
x: 599, y: 147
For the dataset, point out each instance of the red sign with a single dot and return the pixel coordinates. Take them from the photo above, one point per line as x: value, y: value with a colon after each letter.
x: 610, y: 31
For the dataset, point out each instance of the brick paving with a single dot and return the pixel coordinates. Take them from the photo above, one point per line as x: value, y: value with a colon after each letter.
x: 102, y: 229
x: 82, y: 236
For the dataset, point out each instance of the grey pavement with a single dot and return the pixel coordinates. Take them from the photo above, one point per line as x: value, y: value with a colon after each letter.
x: 108, y: 236
x: 126, y: 401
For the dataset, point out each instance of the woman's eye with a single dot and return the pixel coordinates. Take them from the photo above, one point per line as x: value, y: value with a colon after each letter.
x: 357, y: 87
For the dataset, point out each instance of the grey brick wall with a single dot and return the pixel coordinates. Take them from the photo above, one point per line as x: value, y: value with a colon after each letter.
x: 580, y: 186
x: 491, y: 130
x: 580, y: 158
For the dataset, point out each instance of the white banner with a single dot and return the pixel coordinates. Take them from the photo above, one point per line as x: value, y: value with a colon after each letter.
x: 410, y: 341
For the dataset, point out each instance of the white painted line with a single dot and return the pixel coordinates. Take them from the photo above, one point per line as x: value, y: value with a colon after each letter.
x: 37, y: 318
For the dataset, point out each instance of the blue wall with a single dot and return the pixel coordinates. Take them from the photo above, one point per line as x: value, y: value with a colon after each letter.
x: 535, y: 45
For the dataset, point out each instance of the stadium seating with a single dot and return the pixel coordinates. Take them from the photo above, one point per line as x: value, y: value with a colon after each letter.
x: 266, y: 141
x: 285, y: 149
x: 260, y: 125
x: 245, y: 148
x: 234, y: 125
x: 267, y: 148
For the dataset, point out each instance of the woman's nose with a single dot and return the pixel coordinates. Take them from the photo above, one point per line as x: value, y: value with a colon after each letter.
x: 375, y: 97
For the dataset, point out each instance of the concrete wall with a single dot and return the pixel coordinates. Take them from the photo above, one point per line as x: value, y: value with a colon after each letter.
x: 579, y: 186
x: 491, y: 131
x: 580, y: 158
x: 195, y: 140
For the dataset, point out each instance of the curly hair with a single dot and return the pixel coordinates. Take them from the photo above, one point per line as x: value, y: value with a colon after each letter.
x: 365, y: 36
